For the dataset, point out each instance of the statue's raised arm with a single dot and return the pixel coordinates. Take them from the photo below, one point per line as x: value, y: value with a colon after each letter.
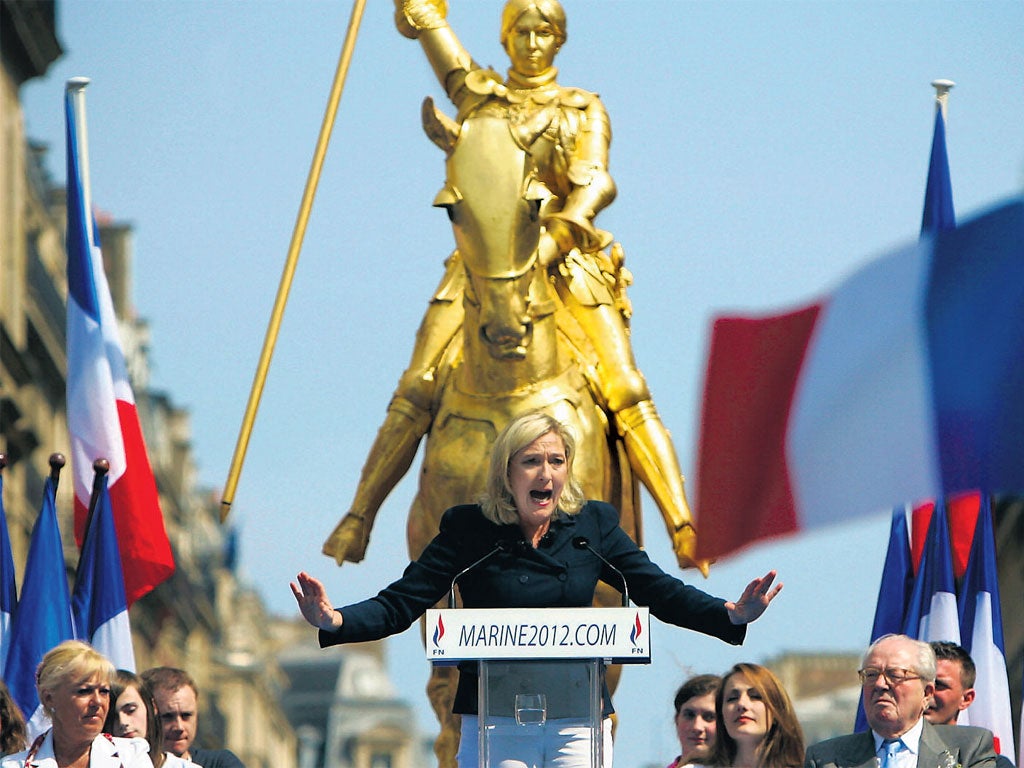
x: 427, y: 21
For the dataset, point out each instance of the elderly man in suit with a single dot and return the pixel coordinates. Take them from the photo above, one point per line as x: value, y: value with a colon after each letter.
x: 898, y: 680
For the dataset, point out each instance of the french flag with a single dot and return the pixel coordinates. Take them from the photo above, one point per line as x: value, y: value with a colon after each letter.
x: 932, y: 613
x: 981, y: 627
x: 43, y: 617
x: 901, y: 385
x: 8, y: 586
x: 102, y: 417
x: 98, y: 603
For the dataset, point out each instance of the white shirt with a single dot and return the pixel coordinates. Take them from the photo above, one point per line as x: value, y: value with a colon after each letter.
x: 107, y: 752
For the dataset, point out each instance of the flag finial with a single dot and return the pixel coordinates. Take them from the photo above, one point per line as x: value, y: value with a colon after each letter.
x: 57, y: 462
x: 76, y: 83
x: 942, y: 89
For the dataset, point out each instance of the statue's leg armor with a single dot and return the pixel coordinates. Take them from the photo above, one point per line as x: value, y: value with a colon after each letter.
x: 648, y: 443
x: 389, y: 459
x: 653, y: 457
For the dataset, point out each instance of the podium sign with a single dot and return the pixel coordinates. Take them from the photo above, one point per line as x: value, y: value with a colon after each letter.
x: 618, y: 635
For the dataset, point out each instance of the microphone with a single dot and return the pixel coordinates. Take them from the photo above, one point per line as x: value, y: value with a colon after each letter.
x: 501, y: 546
x: 581, y: 542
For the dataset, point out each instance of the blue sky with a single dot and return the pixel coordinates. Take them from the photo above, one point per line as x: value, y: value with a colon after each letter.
x: 762, y: 150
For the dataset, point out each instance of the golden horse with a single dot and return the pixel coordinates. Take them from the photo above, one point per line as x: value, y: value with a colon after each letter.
x: 517, y: 352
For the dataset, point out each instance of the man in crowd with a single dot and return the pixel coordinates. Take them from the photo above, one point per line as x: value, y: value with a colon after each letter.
x: 954, y: 683
x: 177, y: 707
x: 898, y: 680
x: 955, y: 674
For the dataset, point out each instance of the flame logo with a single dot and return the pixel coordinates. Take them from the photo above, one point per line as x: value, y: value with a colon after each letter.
x: 637, y: 630
x: 438, y: 631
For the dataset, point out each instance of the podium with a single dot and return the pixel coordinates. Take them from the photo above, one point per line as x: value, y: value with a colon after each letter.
x: 540, y: 670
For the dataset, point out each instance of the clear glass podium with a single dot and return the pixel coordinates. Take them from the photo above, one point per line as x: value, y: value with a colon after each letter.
x: 540, y: 672
x: 523, y: 704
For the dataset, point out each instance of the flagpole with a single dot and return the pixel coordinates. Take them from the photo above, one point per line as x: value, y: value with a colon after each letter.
x: 57, y: 462
x: 75, y: 88
x: 942, y: 89
x: 298, y: 233
x: 100, y: 468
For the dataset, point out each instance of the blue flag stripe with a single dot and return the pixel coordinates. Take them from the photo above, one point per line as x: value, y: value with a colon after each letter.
x: 938, y: 213
x: 975, y: 323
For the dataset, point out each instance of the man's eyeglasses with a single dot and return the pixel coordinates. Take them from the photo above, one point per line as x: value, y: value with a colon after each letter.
x: 895, y: 675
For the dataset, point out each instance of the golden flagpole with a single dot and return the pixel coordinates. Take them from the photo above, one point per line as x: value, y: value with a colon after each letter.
x: 298, y: 233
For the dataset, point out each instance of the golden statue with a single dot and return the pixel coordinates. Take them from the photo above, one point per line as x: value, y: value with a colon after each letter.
x: 531, y: 312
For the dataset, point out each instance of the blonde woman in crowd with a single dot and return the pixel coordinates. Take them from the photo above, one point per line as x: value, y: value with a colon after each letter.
x: 73, y: 681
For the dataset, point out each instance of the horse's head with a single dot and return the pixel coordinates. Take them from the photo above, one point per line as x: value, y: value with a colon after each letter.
x: 493, y: 202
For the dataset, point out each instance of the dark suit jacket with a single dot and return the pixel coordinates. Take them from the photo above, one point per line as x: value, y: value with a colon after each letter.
x: 215, y: 758
x: 942, y: 746
x: 556, y: 574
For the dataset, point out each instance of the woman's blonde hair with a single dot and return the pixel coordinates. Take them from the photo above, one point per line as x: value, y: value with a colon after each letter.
x: 551, y: 10
x: 498, y: 504
x: 71, y: 661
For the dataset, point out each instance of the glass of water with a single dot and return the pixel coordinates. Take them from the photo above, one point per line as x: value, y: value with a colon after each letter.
x: 531, y: 708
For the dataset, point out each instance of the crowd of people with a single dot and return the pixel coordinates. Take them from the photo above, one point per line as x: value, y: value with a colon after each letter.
x: 102, y: 717
x: 912, y: 693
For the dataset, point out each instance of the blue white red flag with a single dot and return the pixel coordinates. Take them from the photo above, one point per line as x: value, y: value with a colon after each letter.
x: 899, y: 386
x: 43, y: 618
x: 981, y: 630
x: 893, y: 592
x: 98, y: 601
x: 8, y: 586
x: 102, y: 417
x: 932, y: 611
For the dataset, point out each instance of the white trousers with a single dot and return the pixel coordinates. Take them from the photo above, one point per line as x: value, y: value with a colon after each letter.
x: 559, y: 743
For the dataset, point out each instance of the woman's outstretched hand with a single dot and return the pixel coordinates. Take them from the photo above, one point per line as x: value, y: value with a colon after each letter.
x: 754, y: 600
x: 314, y: 604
